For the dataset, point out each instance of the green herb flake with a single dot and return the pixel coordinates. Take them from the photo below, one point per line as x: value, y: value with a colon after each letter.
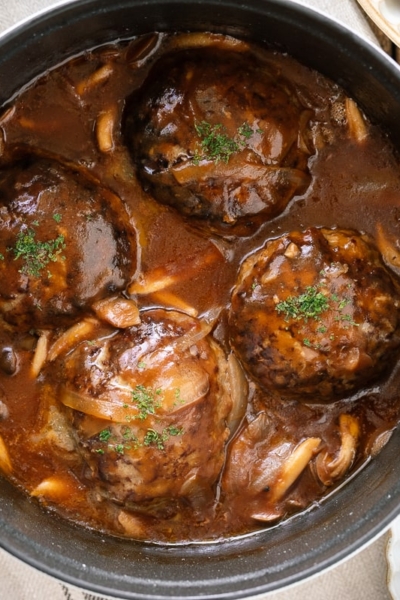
x: 153, y: 438
x: 174, y: 431
x: 308, y: 305
x: 57, y: 217
x: 215, y: 144
x: 104, y: 435
x: 36, y: 254
x: 146, y: 401
x: 245, y: 131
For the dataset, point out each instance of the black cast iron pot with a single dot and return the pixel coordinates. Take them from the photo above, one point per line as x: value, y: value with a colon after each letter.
x: 357, y: 512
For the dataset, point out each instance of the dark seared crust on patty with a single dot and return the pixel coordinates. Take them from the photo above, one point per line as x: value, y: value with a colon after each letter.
x: 65, y: 242
x: 315, y: 315
x: 152, y: 424
x: 225, y: 97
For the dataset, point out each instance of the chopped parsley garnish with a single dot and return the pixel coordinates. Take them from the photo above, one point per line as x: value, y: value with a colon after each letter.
x: 117, y: 443
x: 36, y: 254
x: 104, y: 435
x: 308, y: 305
x: 146, y: 400
x: 245, y: 131
x: 57, y: 217
x: 312, y: 304
x: 154, y: 438
x: 217, y: 145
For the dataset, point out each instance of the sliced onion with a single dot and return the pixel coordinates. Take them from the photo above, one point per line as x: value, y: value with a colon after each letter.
x: 330, y: 468
x: 202, y: 40
x: 40, y: 356
x: 388, y: 249
x: 71, y: 337
x: 174, y: 273
x: 238, y: 388
x: 142, y: 48
x: 118, y: 312
x: 94, y: 79
x: 302, y: 136
x: 176, y: 346
x: 380, y: 441
x: 293, y: 467
x: 357, y: 127
x: 171, y: 300
x: 182, y: 385
x: 241, y: 170
x: 53, y: 487
x: 116, y: 407
x: 5, y: 461
x: 153, y: 282
x: 132, y: 525
x: 105, y: 129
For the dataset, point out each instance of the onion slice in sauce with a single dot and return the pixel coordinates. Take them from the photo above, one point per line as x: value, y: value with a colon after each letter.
x: 238, y: 390
x: 5, y: 461
x: 112, y: 408
x: 40, y: 355
x: 118, y: 312
x: 72, y: 336
x: 330, y: 468
x: 179, y: 386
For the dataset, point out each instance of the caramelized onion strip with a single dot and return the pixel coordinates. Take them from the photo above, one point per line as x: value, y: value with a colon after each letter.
x: 117, y: 407
x: 142, y: 48
x: 173, y: 273
x: 102, y: 74
x: 5, y: 461
x: 204, y: 40
x: 294, y: 466
x: 133, y: 526
x: 182, y: 385
x: 388, y: 249
x: 118, y: 312
x: 171, y: 300
x: 52, y: 487
x: 105, y: 125
x: 71, y: 337
x: 330, y: 468
x: 238, y: 391
x: 188, y: 172
x: 176, y: 346
x: 40, y: 356
x: 355, y: 121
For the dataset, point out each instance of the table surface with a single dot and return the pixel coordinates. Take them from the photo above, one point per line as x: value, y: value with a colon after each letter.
x: 360, y: 577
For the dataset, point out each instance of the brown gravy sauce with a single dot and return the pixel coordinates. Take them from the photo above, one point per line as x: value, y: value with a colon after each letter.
x: 354, y: 185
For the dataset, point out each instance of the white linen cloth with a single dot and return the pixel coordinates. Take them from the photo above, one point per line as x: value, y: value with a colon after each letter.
x: 361, y: 577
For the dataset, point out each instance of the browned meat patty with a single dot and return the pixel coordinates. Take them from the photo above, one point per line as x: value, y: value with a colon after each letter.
x: 219, y: 135
x: 315, y: 315
x: 149, y: 406
x: 64, y: 242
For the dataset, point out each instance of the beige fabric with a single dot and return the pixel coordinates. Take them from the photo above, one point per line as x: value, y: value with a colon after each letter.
x: 361, y: 577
